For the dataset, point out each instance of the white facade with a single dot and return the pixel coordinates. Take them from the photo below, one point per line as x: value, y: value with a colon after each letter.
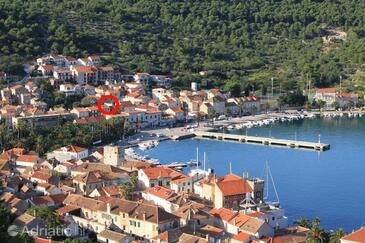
x: 166, y: 205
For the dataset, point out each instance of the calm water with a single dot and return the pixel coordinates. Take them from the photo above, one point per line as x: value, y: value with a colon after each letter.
x: 330, y: 185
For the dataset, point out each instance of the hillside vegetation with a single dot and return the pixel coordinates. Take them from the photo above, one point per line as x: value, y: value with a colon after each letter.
x: 235, y: 42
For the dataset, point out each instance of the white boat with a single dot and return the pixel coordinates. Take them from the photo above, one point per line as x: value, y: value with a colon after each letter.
x: 144, y: 146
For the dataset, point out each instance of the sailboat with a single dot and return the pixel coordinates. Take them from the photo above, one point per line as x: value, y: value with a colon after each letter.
x: 269, y: 177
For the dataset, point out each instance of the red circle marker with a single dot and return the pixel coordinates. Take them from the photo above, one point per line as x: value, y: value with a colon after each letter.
x: 114, y: 110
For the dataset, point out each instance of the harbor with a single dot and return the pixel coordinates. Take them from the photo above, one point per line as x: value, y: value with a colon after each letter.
x: 218, y: 130
x: 296, y: 171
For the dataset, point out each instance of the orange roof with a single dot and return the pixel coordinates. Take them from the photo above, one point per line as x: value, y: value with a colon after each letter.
x: 239, y: 220
x: 344, y: 95
x: 357, y: 236
x: 18, y: 86
x: 92, y: 119
x: 258, y: 214
x: 16, y: 151
x: 48, y: 67
x: 112, y: 190
x: 252, y: 98
x: 28, y: 158
x: 160, y: 192
x: 157, y: 172
x: 243, y: 237
x: 71, y: 148
x: 135, y: 94
x: 176, y: 109
x: 231, y: 177
x: 106, y: 68
x: 326, y: 90
x: 223, y: 214
x: 85, y: 69
x: 41, y: 175
x: 66, y: 209
x: 233, y: 186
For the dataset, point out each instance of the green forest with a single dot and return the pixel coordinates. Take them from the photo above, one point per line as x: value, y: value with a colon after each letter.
x: 216, y: 42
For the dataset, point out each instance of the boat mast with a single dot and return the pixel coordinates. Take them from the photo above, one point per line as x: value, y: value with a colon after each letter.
x: 205, y: 157
x: 268, y: 174
x: 197, y: 157
x: 267, y: 180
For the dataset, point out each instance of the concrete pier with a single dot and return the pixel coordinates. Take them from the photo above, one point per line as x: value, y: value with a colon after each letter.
x: 262, y: 140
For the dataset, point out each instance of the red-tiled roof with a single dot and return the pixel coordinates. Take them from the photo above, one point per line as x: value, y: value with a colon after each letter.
x: 85, y: 69
x: 106, y: 68
x: 357, y: 236
x: 326, y: 90
x: 345, y: 95
x: 134, y: 94
x: 48, y: 67
x: 258, y: 214
x: 156, y: 172
x: 176, y: 109
x: 233, y: 185
x: 90, y: 119
x: 223, y: 214
x: 243, y: 237
x: 252, y: 98
x: 41, y: 175
x: 239, y: 220
x: 67, y: 209
x: 72, y: 149
x: 160, y: 192
x: 27, y: 158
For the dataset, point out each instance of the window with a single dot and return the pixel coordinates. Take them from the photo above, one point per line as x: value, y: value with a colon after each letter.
x: 138, y: 224
x: 152, y: 184
x: 160, y: 183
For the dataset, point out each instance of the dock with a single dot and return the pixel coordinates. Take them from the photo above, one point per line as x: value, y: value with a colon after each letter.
x: 262, y: 140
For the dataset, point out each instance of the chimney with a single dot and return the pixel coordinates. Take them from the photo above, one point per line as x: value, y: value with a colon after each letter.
x: 108, y: 207
x: 144, y: 216
x: 207, y: 237
x: 235, y: 221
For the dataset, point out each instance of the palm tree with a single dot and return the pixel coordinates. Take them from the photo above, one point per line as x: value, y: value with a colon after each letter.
x: 337, y: 235
x: 317, y: 234
x: 303, y: 222
x: 241, y: 106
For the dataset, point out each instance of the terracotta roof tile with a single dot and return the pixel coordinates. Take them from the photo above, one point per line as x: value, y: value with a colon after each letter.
x: 357, y: 236
x: 223, y: 214
x: 326, y: 90
x: 161, y: 192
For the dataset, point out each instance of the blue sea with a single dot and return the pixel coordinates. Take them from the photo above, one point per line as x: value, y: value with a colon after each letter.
x: 329, y: 185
